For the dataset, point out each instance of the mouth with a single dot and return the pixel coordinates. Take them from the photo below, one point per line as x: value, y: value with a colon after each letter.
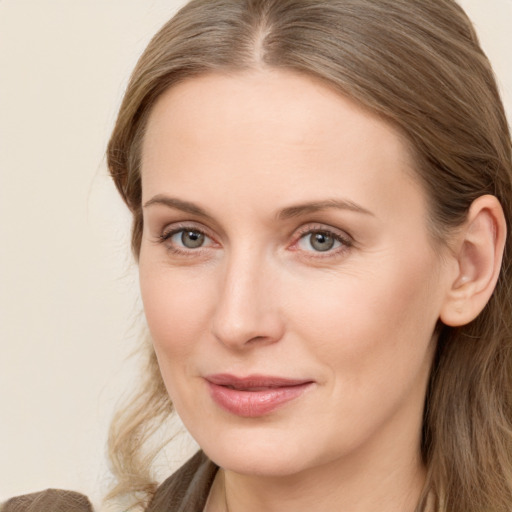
x: 255, y: 395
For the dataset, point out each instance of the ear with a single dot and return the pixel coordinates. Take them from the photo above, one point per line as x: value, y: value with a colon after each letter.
x: 478, y: 252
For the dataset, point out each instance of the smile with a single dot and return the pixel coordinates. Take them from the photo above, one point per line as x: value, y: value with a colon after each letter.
x: 255, y: 395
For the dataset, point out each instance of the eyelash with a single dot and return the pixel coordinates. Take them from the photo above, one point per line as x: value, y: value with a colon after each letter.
x: 165, y: 237
x: 344, y: 240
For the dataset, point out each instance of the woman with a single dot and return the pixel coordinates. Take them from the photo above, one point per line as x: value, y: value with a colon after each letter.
x: 320, y: 193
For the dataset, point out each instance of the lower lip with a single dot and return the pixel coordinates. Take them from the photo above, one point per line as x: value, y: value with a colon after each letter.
x: 251, y: 404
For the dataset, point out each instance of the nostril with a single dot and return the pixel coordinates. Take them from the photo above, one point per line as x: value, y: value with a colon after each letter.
x: 257, y: 339
x: 242, y: 338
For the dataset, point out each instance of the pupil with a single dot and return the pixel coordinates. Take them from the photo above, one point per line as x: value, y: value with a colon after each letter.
x: 322, y: 242
x: 192, y: 239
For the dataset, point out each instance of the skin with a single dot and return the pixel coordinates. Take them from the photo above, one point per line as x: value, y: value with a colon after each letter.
x: 257, y: 297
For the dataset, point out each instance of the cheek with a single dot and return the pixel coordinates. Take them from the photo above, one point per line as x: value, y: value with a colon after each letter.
x: 176, y: 305
x: 368, y: 326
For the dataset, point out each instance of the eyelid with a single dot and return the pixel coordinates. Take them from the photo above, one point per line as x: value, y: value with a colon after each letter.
x: 176, y: 227
x: 342, y: 236
x: 321, y: 227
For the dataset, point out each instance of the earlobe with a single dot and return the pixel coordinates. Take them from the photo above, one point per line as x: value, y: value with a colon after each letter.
x: 479, y: 251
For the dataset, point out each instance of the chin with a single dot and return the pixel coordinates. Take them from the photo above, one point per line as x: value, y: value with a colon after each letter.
x: 259, y: 452
x: 257, y: 461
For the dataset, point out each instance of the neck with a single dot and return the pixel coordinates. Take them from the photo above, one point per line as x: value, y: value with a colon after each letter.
x: 332, y: 487
x: 398, y: 491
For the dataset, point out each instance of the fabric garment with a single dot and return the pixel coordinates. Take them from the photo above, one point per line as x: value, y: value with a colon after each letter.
x: 51, y: 500
x: 186, y: 490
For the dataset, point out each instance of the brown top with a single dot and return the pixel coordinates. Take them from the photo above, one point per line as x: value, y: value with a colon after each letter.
x: 185, y: 491
x: 51, y: 500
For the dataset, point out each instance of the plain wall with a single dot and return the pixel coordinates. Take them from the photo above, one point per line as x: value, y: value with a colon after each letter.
x: 69, y: 304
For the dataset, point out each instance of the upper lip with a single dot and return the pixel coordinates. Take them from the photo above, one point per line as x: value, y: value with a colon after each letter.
x: 254, y: 381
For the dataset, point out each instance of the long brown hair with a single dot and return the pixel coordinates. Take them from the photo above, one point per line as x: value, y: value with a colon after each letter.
x: 417, y: 64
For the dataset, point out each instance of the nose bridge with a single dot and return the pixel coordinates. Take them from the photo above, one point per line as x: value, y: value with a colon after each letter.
x: 246, y: 311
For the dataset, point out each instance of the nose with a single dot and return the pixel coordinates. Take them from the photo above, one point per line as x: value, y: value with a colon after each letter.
x: 247, y: 313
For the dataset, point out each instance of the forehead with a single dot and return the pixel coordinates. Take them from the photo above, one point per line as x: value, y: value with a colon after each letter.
x: 302, y: 106
x: 271, y: 130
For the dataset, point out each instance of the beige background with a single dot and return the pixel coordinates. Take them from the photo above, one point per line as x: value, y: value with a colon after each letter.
x: 69, y: 306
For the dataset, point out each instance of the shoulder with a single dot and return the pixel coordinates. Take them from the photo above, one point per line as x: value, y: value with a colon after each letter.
x: 51, y: 500
x: 187, y: 489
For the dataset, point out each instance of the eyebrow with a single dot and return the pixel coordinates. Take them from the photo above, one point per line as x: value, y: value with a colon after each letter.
x: 178, y: 204
x: 287, y: 213
x: 315, y: 206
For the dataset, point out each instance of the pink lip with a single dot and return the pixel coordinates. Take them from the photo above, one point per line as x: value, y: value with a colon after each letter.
x: 254, y: 395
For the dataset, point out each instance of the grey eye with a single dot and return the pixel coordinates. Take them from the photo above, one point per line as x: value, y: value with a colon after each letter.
x: 192, y: 239
x: 319, y: 241
x: 189, y: 238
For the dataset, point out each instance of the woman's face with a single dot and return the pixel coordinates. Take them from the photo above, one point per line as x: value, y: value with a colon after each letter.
x: 288, y: 276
